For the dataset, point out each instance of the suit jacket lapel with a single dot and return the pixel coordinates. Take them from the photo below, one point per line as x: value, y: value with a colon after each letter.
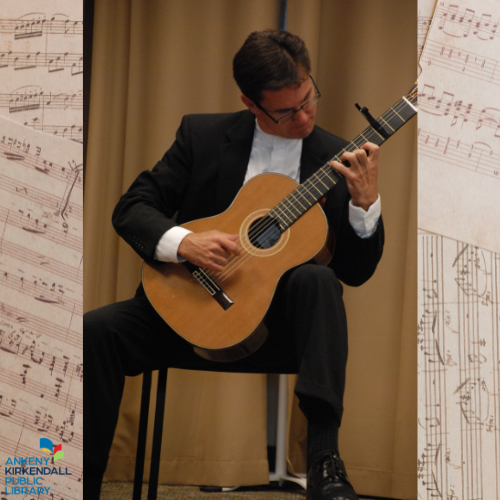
x: 234, y: 156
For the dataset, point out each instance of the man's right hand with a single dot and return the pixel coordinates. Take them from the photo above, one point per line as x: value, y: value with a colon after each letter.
x: 209, y: 249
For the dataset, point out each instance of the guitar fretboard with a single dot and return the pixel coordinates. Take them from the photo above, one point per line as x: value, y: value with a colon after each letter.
x: 315, y: 187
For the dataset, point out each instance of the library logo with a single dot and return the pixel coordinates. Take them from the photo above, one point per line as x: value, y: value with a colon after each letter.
x: 48, y: 446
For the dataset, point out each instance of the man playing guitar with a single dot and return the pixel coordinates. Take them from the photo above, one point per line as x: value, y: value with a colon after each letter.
x: 198, y: 177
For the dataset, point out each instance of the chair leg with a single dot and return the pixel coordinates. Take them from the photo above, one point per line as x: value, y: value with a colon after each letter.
x: 280, y: 473
x: 141, y: 440
x: 157, y: 434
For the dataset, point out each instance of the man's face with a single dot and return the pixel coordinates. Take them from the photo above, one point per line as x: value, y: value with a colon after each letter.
x: 279, y: 102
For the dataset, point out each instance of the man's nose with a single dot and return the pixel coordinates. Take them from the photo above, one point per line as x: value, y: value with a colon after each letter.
x: 301, y: 117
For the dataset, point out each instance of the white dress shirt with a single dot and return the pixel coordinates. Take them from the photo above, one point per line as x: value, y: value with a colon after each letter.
x: 271, y: 153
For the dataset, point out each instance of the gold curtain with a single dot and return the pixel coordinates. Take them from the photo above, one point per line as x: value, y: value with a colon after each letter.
x: 152, y: 63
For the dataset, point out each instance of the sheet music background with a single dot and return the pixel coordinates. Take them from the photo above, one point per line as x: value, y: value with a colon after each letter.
x: 459, y: 252
x: 41, y: 65
x: 41, y: 259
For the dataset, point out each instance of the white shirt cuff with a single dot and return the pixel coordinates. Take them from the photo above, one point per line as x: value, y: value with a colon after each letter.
x: 166, y: 250
x: 365, y: 223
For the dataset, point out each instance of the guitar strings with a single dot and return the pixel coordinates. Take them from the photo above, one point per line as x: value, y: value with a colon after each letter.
x: 240, y: 260
x: 236, y: 261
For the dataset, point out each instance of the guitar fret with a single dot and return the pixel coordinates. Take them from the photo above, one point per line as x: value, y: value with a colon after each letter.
x: 316, y: 175
x: 399, y: 115
x: 282, y: 207
x: 407, y: 110
x: 410, y: 104
x: 304, y: 197
x: 326, y: 178
x: 387, y: 124
x: 311, y: 183
x: 302, y: 186
x: 383, y: 139
x: 294, y: 216
x: 328, y: 169
x: 290, y: 202
x: 277, y: 215
x: 395, y: 118
x: 291, y: 194
x: 330, y: 179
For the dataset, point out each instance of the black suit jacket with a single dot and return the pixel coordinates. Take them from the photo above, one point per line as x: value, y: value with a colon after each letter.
x: 200, y: 175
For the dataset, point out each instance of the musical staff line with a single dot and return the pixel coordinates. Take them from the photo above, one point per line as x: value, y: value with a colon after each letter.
x: 71, y: 132
x: 53, y: 61
x: 461, y: 61
x: 464, y: 23
x: 40, y: 326
x: 469, y: 372
x: 18, y: 152
x: 42, y: 391
x: 458, y: 111
x: 12, y: 342
x: 34, y: 27
x: 47, y: 200
x: 33, y: 98
x: 56, y: 432
x: 45, y: 264
x: 37, y: 289
x: 432, y: 346
x: 55, y: 230
x: 478, y: 157
x: 423, y: 23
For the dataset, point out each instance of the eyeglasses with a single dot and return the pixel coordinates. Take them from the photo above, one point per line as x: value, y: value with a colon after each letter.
x: 291, y: 114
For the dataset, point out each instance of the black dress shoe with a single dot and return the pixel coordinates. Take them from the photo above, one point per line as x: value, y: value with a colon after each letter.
x: 327, y: 480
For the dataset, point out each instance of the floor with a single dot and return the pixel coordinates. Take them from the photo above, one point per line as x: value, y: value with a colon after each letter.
x: 289, y: 491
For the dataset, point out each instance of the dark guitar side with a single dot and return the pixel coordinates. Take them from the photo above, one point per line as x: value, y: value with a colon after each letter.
x: 228, y: 335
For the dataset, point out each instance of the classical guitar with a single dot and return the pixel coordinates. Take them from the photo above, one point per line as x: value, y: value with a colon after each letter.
x: 281, y: 225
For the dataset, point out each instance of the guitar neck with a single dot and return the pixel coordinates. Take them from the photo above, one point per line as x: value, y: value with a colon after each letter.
x: 315, y: 187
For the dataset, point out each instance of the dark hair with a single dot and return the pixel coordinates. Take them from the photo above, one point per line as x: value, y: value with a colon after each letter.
x: 270, y: 60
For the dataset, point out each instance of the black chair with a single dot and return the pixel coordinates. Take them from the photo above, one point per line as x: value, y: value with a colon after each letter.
x: 157, y: 435
x: 280, y: 473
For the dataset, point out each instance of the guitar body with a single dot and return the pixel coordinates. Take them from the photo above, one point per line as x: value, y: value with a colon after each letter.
x: 221, y: 314
x: 231, y: 328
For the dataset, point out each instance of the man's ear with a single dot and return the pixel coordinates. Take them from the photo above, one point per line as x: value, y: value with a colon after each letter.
x: 249, y: 104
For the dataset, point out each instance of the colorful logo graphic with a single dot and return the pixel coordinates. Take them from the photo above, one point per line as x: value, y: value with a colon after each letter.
x: 48, y: 446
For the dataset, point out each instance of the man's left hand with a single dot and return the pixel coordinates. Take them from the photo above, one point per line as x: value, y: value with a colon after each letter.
x: 361, y: 177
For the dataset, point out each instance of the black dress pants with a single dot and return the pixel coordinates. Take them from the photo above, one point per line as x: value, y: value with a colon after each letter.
x: 307, y: 335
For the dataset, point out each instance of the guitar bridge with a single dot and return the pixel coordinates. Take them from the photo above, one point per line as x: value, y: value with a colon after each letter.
x: 202, y: 277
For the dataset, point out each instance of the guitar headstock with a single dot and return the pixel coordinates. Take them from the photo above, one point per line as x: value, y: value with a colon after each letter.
x: 413, y: 95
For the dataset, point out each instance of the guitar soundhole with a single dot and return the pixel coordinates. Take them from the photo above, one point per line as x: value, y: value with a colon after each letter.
x: 264, y: 233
